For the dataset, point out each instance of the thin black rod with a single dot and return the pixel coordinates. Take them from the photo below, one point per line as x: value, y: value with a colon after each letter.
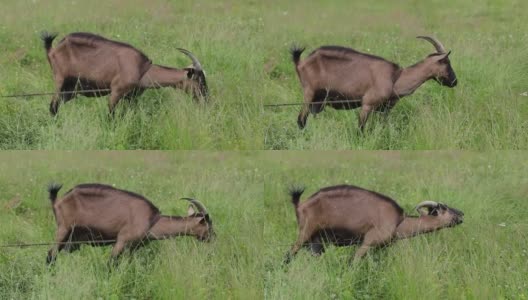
x: 318, y: 102
x: 53, y: 93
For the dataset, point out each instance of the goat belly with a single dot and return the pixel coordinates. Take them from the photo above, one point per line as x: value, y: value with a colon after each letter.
x: 82, y: 233
x: 340, y: 236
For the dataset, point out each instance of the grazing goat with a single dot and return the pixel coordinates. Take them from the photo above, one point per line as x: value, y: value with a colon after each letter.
x: 97, y: 213
x: 333, y: 74
x: 85, y: 61
x: 345, y: 215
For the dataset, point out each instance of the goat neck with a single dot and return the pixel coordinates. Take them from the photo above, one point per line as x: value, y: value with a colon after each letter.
x: 159, y: 76
x: 170, y: 226
x: 411, y: 226
x: 411, y: 78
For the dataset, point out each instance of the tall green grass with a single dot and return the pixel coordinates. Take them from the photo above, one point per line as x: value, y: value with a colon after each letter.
x: 483, y: 258
x: 180, y: 268
x: 243, y: 46
x: 246, y: 194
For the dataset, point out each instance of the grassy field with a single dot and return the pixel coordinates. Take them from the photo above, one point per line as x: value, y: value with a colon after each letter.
x: 181, y: 268
x: 483, y: 258
x: 246, y: 193
x: 244, y: 48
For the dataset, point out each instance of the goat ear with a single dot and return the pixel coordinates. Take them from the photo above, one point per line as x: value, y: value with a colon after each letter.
x: 205, y: 219
x: 443, y: 58
x: 190, y: 210
x: 190, y: 72
x: 433, y: 212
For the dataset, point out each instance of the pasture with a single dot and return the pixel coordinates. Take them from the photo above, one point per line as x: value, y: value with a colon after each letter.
x: 483, y: 258
x: 246, y: 194
x: 243, y: 46
x: 180, y: 268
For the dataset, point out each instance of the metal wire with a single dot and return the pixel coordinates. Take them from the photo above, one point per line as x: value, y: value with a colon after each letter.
x: 56, y: 243
x: 53, y: 93
x: 317, y: 102
x: 345, y: 241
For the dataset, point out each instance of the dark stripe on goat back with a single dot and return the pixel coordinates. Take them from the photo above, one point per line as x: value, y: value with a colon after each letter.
x: 348, y: 187
x: 111, y: 188
x: 97, y: 38
x: 346, y: 50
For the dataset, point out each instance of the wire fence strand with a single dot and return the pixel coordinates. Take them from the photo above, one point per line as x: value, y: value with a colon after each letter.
x: 311, y: 103
x: 23, y: 245
x: 53, y: 93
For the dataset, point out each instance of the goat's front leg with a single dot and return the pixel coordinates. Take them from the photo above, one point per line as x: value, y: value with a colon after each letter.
x: 363, y: 116
x: 374, y: 238
x: 116, y: 95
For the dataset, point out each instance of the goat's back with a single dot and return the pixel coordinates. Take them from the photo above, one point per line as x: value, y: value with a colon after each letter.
x: 103, y: 208
x: 351, y: 208
x: 347, y: 71
x: 93, y: 57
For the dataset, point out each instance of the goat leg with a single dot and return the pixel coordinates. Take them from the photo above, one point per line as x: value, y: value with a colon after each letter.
x: 316, y: 246
x: 305, y: 109
x: 363, y: 116
x: 375, y: 237
x: 116, y: 95
x: 57, y: 97
x: 60, y: 237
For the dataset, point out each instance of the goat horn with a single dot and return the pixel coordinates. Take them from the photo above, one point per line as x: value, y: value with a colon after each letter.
x: 195, y: 61
x: 198, y: 204
x: 425, y: 204
x: 436, y: 43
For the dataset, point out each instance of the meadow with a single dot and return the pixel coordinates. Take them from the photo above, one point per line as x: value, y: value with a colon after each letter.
x: 486, y: 257
x: 243, y: 46
x: 180, y: 268
x: 246, y: 194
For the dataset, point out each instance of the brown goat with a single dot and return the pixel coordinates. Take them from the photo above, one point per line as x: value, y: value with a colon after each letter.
x: 97, y: 213
x: 333, y: 74
x: 345, y: 215
x: 85, y: 61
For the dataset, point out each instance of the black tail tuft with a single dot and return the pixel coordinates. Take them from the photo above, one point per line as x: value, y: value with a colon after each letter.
x: 296, y: 52
x: 53, y: 189
x: 47, y: 38
x: 295, y: 193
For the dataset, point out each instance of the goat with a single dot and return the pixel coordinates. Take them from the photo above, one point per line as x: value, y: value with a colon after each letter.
x: 334, y: 74
x: 99, y: 214
x: 86, y: 61
x: 346, y: 215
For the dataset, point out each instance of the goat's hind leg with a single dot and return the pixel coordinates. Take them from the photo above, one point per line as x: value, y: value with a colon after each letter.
x: 305, y: 109
x: 304, y: 236
x: 56, y: 99
x: 60, y: 237
x: 316, y: 246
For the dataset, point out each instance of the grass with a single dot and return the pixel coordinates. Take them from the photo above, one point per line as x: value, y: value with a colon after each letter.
x: 484, y: 258
x: 245, y: 192
x: 244, y: 48
x: 180, y: 268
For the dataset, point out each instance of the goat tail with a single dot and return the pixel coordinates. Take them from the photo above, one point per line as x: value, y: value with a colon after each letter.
x: 47, y: 38
x: 295, y: 193
x: 53, y: 190
x: 296, y: 52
